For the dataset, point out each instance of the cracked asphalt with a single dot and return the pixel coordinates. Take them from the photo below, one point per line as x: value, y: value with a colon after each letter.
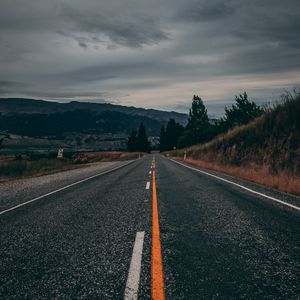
x: 218, y: 241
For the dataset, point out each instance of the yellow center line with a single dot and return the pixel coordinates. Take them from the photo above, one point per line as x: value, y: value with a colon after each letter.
x: 157, y: 289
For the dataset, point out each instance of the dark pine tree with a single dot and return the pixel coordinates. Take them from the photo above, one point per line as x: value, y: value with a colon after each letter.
x: 1, y: 139
x: 198, y: 127
x: 162, y: 139
x: 169, y: 135
x: 143, y: 144
x: 240, y: 113
x: 132, y: 141
x: 138, y: 141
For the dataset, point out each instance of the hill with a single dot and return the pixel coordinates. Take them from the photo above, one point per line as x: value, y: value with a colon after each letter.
x: 35, y: 124
x: 21, y: 106
x: 265, y: 151
x: 59, y: 124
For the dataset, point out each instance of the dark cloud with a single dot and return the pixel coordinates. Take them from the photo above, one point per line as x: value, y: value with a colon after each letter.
x: 148, y: 53
x: 7, y: 84
x: 6, y: 87
x: 199, y: 11
x: 120, y: 25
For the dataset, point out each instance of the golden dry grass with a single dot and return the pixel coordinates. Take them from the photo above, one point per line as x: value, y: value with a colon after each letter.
x: 11, y: 169
x: 91, y: 157
x: 283, y: 181
x: 265, y: 151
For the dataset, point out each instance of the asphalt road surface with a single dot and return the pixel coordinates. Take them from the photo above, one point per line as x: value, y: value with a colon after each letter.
x: 148, y: 228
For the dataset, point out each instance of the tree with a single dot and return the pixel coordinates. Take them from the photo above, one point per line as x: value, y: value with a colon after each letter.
x: 143, y: 144
x: 242, y: 112
x: 198, y: 127
x: 131, y: 146
x: 1, y: 139
x: 170, y: 134
x: 162, y: 139
x: 198, y: 114
x: 138, y: 141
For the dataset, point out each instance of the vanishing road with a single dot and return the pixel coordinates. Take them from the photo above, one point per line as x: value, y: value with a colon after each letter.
x: 147, y: 228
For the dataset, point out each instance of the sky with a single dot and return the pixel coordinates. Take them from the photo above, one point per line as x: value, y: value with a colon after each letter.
x: 149, y: 53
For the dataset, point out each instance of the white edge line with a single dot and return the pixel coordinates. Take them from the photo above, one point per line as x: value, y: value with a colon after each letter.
x: 132, y: 284
x: 147, y: 185
x: 240, y: 186
x: 63, y: 188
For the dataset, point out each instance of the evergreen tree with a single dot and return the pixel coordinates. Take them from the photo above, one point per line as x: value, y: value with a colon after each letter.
x: 1, y: 139
x: 242, y: 112
x: 138, y: 141
x: 198, y: 129
x: 169, y: 135
x: 162, y: 139
x: 198, y: 119
x: 143, y: 144
x: 132, y: 141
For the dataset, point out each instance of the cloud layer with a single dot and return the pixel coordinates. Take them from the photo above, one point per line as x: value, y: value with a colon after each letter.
x: 149, y: 53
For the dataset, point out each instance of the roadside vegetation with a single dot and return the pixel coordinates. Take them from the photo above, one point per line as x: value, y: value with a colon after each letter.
x: 260, y: 145
x: 23, y: 167
x: 93, y: 157
x: 200, y: 130
x: 20, y: 166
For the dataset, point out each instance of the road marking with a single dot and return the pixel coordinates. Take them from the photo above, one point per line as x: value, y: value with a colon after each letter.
x: 157, y: 287
x: 150, y: 172
x: 132, y: 284
x: 63, y: 188
x: 147, y: 185
x: 241, y: 186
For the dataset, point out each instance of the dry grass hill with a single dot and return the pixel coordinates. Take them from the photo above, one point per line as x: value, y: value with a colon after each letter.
x: 265, y: 151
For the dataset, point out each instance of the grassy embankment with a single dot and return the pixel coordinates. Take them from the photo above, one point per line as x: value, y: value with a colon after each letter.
x: 266, y: 151
x: 12, y: 167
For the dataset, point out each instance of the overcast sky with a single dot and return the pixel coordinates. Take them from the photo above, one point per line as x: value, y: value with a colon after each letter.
x: 149, y: 53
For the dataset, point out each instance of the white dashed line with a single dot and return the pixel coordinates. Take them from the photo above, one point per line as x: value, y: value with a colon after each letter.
x: 132, y: 284
x: 147, y: 185
x: 150, y: 172
x: 61, y: 189
x: 240, y: 186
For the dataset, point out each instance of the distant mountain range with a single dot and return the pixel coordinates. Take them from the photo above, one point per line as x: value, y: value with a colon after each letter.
x: 38, y: 118
x: 20, y: 105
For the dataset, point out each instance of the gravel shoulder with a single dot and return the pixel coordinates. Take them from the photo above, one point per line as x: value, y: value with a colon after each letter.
x: 286, y: 197
x: 18, y: 191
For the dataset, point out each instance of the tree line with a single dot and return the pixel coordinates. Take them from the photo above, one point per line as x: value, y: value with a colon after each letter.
x: 138, y: 140
x: 59, y: 124
x: 199, y: 129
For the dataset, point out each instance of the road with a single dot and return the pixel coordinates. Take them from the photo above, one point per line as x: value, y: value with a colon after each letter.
x: 148, y: 227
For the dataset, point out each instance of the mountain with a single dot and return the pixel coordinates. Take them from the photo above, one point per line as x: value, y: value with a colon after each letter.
x: 98, y: 126
x: 60, y: 124
x: 30, y: 106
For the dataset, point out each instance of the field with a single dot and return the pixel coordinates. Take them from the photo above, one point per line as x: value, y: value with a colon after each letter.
x: 37, y: 164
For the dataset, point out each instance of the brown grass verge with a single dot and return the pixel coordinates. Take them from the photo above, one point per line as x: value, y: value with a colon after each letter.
x: 91, y: 157
x: 282, y: 181
x: 12, y: 168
